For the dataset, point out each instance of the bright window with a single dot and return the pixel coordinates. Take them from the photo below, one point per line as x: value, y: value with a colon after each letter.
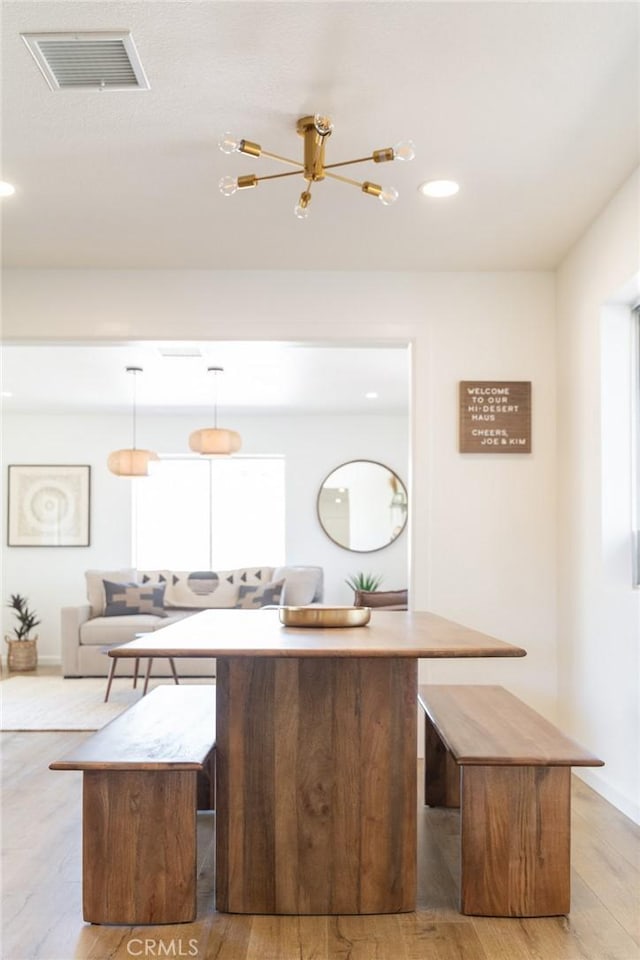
x: 210, y: 514
x: 636, y: 448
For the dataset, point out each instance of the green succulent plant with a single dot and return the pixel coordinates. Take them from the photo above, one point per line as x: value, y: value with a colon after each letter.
x: 26, y: 618
x: 364, y: 581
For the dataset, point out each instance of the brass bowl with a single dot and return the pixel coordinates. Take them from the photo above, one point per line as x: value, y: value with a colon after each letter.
x: 319, y: 616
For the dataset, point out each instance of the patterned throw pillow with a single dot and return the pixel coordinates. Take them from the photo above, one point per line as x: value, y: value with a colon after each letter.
x: 127, y: 599
x: 210, y: 589
x: 150, y: 577
x: 253, y: 596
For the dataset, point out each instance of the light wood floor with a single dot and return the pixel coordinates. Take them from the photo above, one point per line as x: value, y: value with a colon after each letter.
x: 42, y: 890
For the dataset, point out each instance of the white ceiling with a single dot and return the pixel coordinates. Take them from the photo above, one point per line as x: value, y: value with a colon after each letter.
x: 533, y: 107
x: 262, y: 378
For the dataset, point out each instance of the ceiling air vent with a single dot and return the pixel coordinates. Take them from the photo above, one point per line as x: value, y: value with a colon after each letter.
x: 88, y: 61
x: 180, y: 352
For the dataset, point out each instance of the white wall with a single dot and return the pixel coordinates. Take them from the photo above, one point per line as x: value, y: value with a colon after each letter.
x: 599, y: 610
x: 482, y: 526
x: 489, y: 518
x: 312, y: 446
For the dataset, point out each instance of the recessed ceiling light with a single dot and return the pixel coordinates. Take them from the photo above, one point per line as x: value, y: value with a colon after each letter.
x: 372, y: 395
x: 439, y: 188
x: 6, y: 189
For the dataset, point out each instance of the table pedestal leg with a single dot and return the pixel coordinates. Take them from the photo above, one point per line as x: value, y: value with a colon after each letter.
x: 316, y: 785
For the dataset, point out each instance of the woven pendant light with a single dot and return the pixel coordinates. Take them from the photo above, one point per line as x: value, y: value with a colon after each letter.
x: 131, y: 462
x: 211, y: 441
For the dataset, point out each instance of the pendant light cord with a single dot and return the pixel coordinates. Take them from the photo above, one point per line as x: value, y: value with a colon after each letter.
x: 134, y: 431
x: 215, y: 371
x: 134, y: 412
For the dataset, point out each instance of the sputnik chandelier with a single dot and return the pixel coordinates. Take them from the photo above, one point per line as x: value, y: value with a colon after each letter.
x: 315, y: 130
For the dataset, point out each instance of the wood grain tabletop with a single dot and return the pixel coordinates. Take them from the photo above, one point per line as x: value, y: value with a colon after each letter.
x: 259, y: 633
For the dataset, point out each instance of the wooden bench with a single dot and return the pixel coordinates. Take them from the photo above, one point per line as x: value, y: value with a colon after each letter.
x: 509, y: 771
x: 140, y: 798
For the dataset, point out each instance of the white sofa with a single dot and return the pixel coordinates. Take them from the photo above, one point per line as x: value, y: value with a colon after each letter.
x: 124, y: 603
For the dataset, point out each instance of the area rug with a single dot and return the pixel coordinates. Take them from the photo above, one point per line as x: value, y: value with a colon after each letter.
x: 53, y: 703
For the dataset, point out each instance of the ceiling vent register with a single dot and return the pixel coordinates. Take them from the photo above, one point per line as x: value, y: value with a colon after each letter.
x: 88, y: 61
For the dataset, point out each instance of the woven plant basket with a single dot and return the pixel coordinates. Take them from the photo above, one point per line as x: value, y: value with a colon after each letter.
x: 22, y: 656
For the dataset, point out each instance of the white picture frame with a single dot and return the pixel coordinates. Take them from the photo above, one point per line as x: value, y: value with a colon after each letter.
x: 48, y: 505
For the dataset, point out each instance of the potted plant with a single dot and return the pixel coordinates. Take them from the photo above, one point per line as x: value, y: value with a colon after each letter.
x: 364, y: 581
x: 23, y: 649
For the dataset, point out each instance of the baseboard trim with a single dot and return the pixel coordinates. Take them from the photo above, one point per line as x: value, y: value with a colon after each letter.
x: 597, y: 782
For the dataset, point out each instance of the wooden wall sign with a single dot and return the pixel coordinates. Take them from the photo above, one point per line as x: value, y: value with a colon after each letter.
x: 495, y: 416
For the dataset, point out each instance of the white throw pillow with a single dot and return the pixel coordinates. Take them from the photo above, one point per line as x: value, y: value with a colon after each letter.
x: 300, y: 585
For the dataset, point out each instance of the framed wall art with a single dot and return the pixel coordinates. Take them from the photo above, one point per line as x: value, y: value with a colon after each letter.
x: 48, y: 506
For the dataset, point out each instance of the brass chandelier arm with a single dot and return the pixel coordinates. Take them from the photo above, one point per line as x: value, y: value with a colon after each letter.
x: 276, y: 176
x: 327, y: 166
x: 372, y: 189
x: 337, y: 176
x: 275, y: 156
x: 346, y: 163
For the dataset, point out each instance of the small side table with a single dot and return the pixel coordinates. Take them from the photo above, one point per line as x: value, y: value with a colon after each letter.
x: 136, y: 668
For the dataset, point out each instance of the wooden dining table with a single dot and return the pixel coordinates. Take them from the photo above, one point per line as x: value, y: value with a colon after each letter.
x: 316, y: 747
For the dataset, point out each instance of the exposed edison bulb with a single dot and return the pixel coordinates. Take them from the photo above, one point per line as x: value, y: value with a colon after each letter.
x: 404, y: 150
x: 301, y: 208
x: 228, y: 143
x: 323, y: 124
x: 228, y: 185
x: 388, y: 196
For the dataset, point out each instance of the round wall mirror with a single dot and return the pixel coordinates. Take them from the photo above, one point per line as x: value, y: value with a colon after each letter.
x: 362, y: 506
